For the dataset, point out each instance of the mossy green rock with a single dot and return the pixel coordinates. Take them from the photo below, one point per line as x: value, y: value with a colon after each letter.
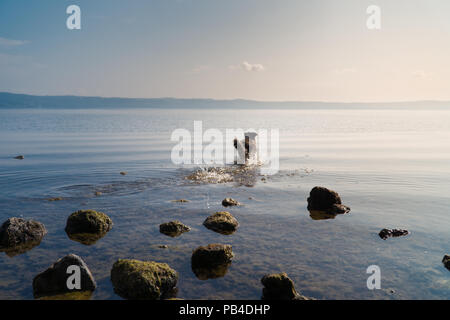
x: 222, y: 222
x: 229, y: 202
x: 88, y: 221
x: 143, y: 280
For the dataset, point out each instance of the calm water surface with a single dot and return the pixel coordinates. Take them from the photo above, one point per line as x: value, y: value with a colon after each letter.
x: 392, y: 167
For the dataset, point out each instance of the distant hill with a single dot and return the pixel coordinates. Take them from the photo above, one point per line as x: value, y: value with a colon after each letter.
x: 24, y: 101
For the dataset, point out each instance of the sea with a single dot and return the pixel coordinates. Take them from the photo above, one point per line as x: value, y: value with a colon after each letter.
x: 390, y: 166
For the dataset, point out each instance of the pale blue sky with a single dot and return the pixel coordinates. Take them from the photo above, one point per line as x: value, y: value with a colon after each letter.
x: 253, y: 49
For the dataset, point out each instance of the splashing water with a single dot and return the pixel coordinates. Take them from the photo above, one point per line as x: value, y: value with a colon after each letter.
x: 240, y: 174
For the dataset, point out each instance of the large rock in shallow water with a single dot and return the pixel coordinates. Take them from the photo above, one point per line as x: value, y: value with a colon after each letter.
x: 211, y: 261
x: 446, y: 261
x: 143, y: 280
x: 326, y: 200
x: 278, y: 286
x: 212, y: 254
x: 173, y: 228
x: 222, y: 222
x: 88, y: 222
x: 55, y: 280
x: 18, y: 235
x: 229, y: 202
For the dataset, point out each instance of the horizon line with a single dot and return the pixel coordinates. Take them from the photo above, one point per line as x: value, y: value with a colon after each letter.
x: 227, y: 100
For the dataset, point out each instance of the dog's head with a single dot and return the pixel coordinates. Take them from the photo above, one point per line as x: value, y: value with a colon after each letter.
x: 250, y: 135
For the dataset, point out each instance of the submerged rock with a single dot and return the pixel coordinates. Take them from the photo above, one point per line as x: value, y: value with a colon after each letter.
x: 222, y: 222
x: 18, y: 235
x: 446, y: 261
x: 139, y: 280
x: 229, y: 202
x: 278, y: 286
x: 326, y: 200
x: 173, y: 228
x: 88, y: 226
x: 212, y: 261
x: 388, y: 233
x: 19, y: 157
x: 54, y: 280
x: 54, y: 199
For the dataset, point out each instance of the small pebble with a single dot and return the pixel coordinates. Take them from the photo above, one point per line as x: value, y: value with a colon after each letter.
x: 55, y: 199
x: 388, y: 233
x: 228, y: 202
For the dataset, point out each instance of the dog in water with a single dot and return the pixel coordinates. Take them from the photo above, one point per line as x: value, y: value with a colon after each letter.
x: 246, y: 148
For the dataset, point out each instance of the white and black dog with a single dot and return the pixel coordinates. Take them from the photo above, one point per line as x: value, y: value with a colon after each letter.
x: 246, y: 148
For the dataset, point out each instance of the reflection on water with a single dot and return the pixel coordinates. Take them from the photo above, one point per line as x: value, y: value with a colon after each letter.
x: 20, y: 249
x: 211, y: 272
x: 87, y: 239
x: 321, y: 215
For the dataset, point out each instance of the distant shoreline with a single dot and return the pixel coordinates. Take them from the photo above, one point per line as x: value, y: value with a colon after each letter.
x: 25, y: 101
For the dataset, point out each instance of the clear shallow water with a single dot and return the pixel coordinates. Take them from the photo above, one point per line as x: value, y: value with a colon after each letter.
x: 392, y: 167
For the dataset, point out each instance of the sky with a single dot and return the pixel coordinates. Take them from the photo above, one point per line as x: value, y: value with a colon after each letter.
x: 270, y: 50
